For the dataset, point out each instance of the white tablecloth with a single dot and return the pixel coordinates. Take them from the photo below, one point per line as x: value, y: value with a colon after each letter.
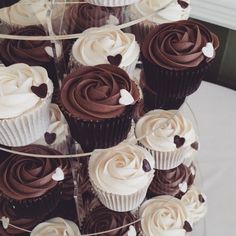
x: 215, y: 110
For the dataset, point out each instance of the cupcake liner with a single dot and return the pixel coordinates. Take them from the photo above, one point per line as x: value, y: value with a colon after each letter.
x: 172, y: 83
x: 26, y: 128
x: 99, y: 134
x: 166, y: 160
x: 111, y: 3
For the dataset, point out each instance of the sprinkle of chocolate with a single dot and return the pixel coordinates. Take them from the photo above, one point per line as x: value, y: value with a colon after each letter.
x: 41, y: 90
x: 187, y: 226
x: 50, y: 138
x: 183, y: 4
x: 146, y: 166
x: 195, y: 145
x: 179, y: 141
x: 201, y: 198
x: 115, y: 60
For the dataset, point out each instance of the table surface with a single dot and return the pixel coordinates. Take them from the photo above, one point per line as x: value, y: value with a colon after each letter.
x: 215, y: 110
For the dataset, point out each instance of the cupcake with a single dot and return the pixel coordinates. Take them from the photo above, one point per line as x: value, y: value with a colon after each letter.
x: 56, y: 227
x: 176, y: 56
x: 163, y: 11
x: 7, y: 3
x: 168, y: 136
x: 174, y: 182
x: 121, y: 176
x: 102, y: 219
x: 195, y: 203
x: 164, y: 215
x: 57, y: 135
x: 33, y: 53
x: 98, y: 103
x: 79, y: 17
x: 24, y: 104
x: 33, y: 186
x: 112, y: 3
x: 106, y: 45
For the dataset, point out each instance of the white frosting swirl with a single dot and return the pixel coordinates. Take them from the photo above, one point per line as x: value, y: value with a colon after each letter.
x: 160, y: 127
x: 16, y: 96
x: 58, y: 126
x: 56, y: 227
x: 196, y: 210
x: 119, y: 170
x: 173, y: 11
x: 163, y: 216
x: 96, y: 44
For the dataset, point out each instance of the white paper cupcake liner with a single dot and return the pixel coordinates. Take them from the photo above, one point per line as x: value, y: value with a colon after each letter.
x: 166, y: 160
x: 111, y: 3
x: 27, y: 128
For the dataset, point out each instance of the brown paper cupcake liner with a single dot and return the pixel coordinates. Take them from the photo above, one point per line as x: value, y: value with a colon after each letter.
x: 171, y: 83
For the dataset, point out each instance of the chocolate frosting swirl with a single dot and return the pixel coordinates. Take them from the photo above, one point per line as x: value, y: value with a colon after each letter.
x: 24, y: 177
x: 83, y: 16
x: 25, y: 51
x: 93, y: 93
x: 166, y: 182
x: 102, y: 219
x: 178, y: 46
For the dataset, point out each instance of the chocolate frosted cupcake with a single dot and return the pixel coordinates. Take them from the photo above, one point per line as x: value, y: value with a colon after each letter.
x: 102, y: 219
x: 80, y: 17
x: 176, y: 56
x: 174, y: 182
x: 32, y: 53
x: 98, y: 103
x: 33, y: 186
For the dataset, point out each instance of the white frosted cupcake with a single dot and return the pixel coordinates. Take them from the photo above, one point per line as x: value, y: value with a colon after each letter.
x: 166, y: 11
x: 112, y: 3
x: 195, y: 203
x: 56, y: 227
x: 57, y: 135
x: 25, y: 96
x: 168, y: 136
x: 106, y: 45
x: 121, y: 176
x: 164, y: 216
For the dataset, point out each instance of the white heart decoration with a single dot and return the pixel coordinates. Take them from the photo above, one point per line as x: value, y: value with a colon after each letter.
x: 192, y: 170
x: 5, y: 222
x: 113, y: 20
x: 132, y: 231
x: 125, y: 97
x: 204, y: 196
x: 58, y: 175
x: 183, y: 187
x: 208, y: 50
x: 49, y: 50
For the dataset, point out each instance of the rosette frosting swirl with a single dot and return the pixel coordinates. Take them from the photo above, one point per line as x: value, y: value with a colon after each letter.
x: 120, y: 170
x: 93, y: 93
x: 195, y: 203
x: 24, y: 177
x: 178, y: 45
x: 16, y: 96
x: 102, y: 219
x: 162, y: 216
x: 160, y: 128
x: 95, y: 45
x: 83, y: 16
x: 25, y: 51
x: 56, y: 227
x: 166, y: 182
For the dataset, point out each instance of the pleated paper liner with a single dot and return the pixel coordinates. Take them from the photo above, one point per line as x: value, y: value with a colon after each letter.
x: 99, y: 134
x: 175, y: 84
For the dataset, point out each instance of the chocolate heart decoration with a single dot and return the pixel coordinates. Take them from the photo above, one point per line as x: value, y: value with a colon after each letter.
x: 187, y: 226
x: 115, y: 60
x: 179, y: 141
x: 41, y: 90
x: 195, y: 145
x: 183, y: 4
x: 146, y: 166
x: 50, y: 138
x: 201, y: 198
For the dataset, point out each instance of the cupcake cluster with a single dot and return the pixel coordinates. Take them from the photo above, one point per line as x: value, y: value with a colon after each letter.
x: 123, y: 188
